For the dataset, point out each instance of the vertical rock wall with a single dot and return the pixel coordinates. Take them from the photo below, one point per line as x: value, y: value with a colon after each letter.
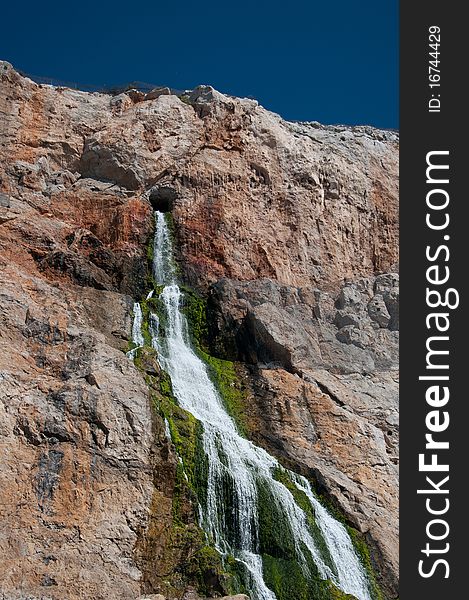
x: 290, y: 231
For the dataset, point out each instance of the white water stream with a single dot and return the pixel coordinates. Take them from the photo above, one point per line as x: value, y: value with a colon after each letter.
x: 137, y: 335
x: 235, y: 459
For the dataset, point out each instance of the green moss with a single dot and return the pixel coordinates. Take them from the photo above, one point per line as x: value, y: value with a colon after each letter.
x: 289, y: 570
x: 170, y: 222
x: 275, y: 534
x: 199, y: 562
x: 145, y: 323
x: 303, y: 502
x: 238, y: 575
x: 185, y: 98
x: 207, y: 558
x: 202, y: 565
x: 357, y: 539
x: 224, y: 376
x: 186, y: 431
x: 130, y: 346
x: 222, y: 372
x: 145, y: 359
x: 363, y: 552
x: 283, y: 570
x: 192, y: 557
x: 165, y: 385
x: 288, y: 581
x: 360, y: 545
x: 285, y: 578
x: 336, y: 594
x: 150, y: 249
x: 195, y: 310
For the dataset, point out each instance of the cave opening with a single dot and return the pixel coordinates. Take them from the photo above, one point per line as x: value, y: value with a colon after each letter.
x: 162, y: 198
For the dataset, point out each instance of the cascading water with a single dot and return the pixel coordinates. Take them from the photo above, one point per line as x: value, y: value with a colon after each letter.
x: 137, y: 336
x: 163, y: 266
x: 236, y: 464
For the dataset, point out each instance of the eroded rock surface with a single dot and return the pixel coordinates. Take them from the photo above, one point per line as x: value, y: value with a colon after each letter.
x: 290, y: 230
x: 78, y: 440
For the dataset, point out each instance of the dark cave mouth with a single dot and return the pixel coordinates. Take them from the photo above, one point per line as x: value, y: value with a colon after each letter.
x: 162, y: 198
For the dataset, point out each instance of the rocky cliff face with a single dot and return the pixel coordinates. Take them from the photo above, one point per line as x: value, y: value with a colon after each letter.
x: 289, y: 230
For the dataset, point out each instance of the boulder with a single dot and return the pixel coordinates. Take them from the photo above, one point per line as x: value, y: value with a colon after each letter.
x: 157, y: 92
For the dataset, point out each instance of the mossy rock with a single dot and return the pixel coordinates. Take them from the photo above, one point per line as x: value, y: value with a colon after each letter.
x: 336, y: 594
x: 303, y: 502
x: 224, y: 375
x: 146, y: 359
x: 194, y: 308
x: 285, y: 577
x: 199, y: 563
x: 288, y: 581
x: 363, y: 552
x: 185, y: 98
x: 275, y: 533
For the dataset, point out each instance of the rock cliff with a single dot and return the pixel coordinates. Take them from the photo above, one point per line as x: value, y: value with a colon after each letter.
x: 290, y: 232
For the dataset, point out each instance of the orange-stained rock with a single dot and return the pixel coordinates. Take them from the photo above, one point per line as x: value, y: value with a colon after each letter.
x: 77, y: 439
x: 291, y: 231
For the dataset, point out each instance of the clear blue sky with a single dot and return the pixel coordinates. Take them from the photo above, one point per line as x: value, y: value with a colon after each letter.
x: 328, y: 61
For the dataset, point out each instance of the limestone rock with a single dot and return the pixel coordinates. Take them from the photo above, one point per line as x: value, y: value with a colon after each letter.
x: 378, y: 311
x: 291, y: 231
x: 157, y: 92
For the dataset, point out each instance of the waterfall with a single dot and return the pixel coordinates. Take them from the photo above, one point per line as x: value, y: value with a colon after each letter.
x: 167, y: 430
x: 337, y: 539
x: 236, y: 464
x: 163, y: 265
x: 137, y: 336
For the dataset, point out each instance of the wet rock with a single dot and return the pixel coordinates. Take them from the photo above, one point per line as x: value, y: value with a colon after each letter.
x: 327, y: 427
x: 148, y: 361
